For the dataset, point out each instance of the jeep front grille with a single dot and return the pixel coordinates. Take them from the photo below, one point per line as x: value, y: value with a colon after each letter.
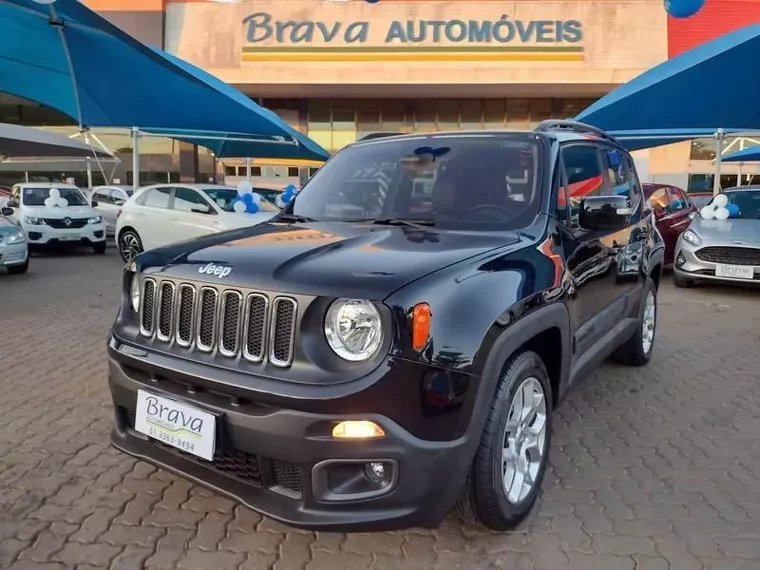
x: 229, y: 322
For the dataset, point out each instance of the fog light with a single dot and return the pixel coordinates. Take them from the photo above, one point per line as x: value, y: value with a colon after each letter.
x: 377, y: 472
x: 360, y: 429
x: 680, y: 260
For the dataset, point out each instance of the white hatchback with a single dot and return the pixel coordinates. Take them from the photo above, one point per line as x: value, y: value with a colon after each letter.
x: 56, y: 214
x: 163, y: 214
x: 107, y: 201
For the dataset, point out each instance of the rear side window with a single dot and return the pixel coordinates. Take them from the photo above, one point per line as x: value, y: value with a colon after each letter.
x: 156, y: 198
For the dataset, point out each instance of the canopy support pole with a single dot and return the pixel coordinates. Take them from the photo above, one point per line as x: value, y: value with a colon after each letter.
x: 89, y: 172
x: 248, y: 169
x: 135, y: 159
x: 720, y: 137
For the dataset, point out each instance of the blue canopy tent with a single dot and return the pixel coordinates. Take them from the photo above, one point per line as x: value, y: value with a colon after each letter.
x: 67, y: 57
x: 683, y: 93
x: 751, y: 154
x: 643, y: 139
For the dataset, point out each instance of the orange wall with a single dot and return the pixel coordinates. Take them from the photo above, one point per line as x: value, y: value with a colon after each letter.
x: 125, y: 5
x: 716, y: 18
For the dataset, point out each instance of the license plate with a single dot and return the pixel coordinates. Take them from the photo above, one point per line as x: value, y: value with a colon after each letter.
x: 185, y: 427
x: 69, y: 238
x: 735, y: 271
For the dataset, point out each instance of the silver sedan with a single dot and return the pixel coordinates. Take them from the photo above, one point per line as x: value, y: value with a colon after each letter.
x: 722, y: 250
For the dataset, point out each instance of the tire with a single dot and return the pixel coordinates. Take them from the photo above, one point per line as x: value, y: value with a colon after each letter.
x: 485, y: 498
x: 19, y: 269
x: 637, y: 351
x: 682, y: 282
x: 129, y: 241
x: 99, y: 248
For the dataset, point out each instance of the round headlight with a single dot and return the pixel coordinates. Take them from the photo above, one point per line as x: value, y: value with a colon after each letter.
x: 134, y: 293
x: 353, y: 329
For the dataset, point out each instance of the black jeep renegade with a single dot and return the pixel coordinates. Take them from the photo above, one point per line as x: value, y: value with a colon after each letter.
x: 396, y: 340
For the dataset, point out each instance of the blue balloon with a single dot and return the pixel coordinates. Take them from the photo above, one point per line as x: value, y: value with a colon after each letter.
x: 251, y: 207
x: 247, y: 198
x: 683, y: 8
x: 290, y: 188
x: 733, y: 210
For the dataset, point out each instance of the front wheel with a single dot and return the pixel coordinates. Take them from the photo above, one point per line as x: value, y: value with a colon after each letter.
x: 511, y: 461
x: 637, y: 350
x: 130, y: 245
x: 19, y: 269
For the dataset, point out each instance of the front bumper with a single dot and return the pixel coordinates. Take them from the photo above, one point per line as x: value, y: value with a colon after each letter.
x: 13, y: 254
x: 284, y: 463
x: 688, y: 265
x: 43, y: 235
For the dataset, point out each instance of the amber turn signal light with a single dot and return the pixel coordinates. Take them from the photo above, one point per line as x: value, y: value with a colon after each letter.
x: 420, y: 326
x: 357, y: 429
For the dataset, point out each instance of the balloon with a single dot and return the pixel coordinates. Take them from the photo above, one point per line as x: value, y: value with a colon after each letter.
x: 239, y: 207
x: 256, y: 198
x: 708, y: 212
x: 720, y: 201
x: 290, y: 188
x: 251, y: 207
x: 54, y: 193
x: 683, y: 8
x: 721, y: 214
x: 245, y: 187
x: 62, y: 202
x: 50, y: 202
x: 733, y: 210
x: 247, y: 198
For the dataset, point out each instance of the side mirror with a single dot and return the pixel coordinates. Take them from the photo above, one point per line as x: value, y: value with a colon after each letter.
x: 602, y: 213
x: 692, y: 215
x: 7, y: 211
x: 200, y: 209
x: 94, y: 203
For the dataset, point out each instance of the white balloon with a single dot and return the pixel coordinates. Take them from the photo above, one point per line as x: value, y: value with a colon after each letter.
x: 721, y: 214
x: 256, y: 198
x: 708, y: 213
x: 239, y: 207
x: 720, y: 201
x: 245, y: 187
x: 54, y: 193
x: 50, y: 202
x: 62, y: 202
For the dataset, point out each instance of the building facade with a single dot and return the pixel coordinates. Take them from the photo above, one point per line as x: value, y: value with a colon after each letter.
x: 338, y: 69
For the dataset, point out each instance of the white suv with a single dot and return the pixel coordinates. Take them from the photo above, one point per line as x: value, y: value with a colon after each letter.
x: 53, y: 214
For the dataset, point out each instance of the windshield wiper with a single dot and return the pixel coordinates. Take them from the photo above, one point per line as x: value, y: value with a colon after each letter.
x: 284, y: 217
x: 419, y: 223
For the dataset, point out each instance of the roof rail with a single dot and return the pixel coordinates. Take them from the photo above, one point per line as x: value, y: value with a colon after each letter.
x: 556, y: 124
x: 378, y: 135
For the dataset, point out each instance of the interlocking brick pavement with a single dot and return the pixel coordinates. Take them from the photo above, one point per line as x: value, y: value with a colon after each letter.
x: 652, y: 468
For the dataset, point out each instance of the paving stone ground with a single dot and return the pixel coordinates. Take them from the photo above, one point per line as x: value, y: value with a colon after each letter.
x: 654, y: 468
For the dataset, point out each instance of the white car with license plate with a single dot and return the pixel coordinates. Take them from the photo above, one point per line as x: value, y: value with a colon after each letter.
x: 107, y: 201
x: 725, y: 250
x: 56, y: 214
x: 14, y: 251
x: 163, y: 214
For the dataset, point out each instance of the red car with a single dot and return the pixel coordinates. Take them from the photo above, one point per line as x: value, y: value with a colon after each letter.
x: 673, y: 211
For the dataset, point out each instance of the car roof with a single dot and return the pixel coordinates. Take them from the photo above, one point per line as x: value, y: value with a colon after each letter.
x: 47, y: 185
x: 742, y: 188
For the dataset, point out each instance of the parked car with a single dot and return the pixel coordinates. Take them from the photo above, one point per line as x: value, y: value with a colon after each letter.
x: 14, y: 251
x: 700, y: 199
x: 351, y: 365
x: 162, y: 214
x: 673, y: 211
x: 107, y: 201
x: 48, y: 221
x: 269, y: 194
x: 722, y: 250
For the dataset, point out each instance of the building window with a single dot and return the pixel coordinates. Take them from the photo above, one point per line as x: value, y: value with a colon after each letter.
x: 704, y: 182
x: 230, y: 171
x: 293, y: 172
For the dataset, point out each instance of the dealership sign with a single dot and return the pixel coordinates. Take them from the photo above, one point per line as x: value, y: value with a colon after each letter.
x: 452, y: 40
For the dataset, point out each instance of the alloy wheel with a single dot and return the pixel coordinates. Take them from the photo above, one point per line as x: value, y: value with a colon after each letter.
x: 129, y: 246
x: 649, y: 321
x: 524, y: 443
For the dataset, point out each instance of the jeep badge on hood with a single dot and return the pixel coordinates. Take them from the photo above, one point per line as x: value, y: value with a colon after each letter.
x: 219, y: 271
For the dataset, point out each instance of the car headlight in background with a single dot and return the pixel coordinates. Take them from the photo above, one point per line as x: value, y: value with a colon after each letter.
x: 16, y: 237
x: 692, y: 238
x: 95, y: 220
x: 34, y: 221
x: 134, y: 293
x: 353, y: 329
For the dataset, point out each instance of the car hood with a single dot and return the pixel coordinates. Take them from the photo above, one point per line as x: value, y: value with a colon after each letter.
x: 58, y: 213
x: 235, y: 220
x: 332, y: 259
x: 7, y: 227
x: 727, y: 231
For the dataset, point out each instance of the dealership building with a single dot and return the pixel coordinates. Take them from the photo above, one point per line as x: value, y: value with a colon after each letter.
x: 339, y: 69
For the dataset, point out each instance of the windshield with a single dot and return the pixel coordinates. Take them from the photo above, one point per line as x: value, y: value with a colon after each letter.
x: 36, y: 196
x: 487, y: 182
x: 748, y: 202
x: 225, y: 198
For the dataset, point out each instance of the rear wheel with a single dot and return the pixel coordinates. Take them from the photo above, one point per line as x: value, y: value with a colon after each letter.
x: 130, y: 245
x: 511, y: 461
x: 637, y: 350
x: 19, y: 269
